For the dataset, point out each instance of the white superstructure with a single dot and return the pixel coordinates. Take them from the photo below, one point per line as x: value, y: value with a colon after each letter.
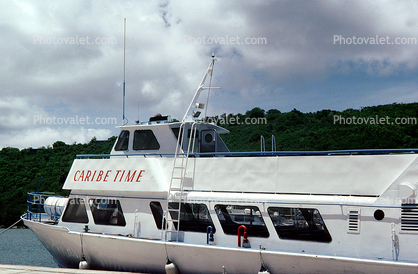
x: 172, y: 196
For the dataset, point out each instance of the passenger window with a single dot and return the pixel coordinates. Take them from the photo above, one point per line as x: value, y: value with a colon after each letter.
x: 299, y: 224
x: 195, y: 133
x: 107, y: 212
x: 157, y: 212
x: 232, y: 216
x: 176, y: 131
x: 145, y: 140
x: 193, y: 217
x: 75, y: 211
x: 123, y: 141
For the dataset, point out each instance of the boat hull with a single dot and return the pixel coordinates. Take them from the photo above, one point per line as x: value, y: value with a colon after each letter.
x: 122, y: 253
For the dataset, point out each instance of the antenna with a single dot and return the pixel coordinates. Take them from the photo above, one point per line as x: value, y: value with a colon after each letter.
x: 124, y: 119
x: 193, y: 111
x: 210, y: 83
x: 137, y: 121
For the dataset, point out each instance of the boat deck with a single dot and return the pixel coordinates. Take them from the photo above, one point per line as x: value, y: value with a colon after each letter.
x: 21, y: 269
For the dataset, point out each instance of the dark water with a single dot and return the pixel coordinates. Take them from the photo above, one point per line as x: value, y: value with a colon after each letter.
x: 21, y: 247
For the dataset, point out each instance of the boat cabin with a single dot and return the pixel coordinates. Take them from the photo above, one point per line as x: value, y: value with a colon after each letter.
x: 161, y: 137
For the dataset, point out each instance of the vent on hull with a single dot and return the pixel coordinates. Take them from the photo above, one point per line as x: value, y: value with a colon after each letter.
x: 409, y: 217
x: 353, y: 221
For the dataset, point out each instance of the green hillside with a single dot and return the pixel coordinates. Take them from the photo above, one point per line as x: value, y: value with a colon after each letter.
x: 367, y: 128
x: 21, y: 171
x: 326, y: 129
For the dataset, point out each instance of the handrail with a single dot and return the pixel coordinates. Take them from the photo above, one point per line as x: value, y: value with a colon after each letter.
x: 35, y: 202
x: 262, y: 144
x: 265, y: 153
x: 273, y: 143
x: 244, y: 236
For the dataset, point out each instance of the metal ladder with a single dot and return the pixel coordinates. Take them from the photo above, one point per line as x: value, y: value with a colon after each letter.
x: 176, y: 188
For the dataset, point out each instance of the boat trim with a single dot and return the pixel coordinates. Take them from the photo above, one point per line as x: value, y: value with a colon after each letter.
x: 264, y: 153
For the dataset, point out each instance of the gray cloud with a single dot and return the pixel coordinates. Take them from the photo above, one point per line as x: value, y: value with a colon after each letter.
x: 298, y: 65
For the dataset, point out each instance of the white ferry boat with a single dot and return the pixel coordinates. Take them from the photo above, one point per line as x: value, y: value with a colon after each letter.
x: 171, y: 198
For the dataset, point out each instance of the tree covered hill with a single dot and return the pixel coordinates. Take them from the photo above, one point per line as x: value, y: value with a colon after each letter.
x: 378, y: 127
x: 21, y: 172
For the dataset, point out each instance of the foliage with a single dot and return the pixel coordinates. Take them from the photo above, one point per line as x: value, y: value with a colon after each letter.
x: 323, y: 130
x: 21, y: 172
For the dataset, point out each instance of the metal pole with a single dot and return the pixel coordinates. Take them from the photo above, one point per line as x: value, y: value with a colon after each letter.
x: 124, y: 47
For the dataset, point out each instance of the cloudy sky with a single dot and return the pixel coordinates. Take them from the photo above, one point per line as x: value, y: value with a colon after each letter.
x: 62, y: 61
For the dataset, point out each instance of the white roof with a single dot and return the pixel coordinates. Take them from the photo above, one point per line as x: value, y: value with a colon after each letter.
x: 368, y: 175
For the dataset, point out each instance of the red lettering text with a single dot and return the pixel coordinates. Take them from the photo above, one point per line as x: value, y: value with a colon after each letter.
x: 88, y: 174
x: 121, y: 176
x: 99, y: 176
x: 139, y: 175
x: 107, y: 175
x: 92, y: 177
x: 130, y: 178
x: 75, y: 175
x: 81, y: 176
x: 117, y: 173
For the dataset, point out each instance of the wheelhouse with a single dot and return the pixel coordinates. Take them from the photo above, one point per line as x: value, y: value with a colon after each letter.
x: 162, y: 138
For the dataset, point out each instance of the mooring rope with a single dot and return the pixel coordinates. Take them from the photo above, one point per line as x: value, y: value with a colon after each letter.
x: 10, y: 226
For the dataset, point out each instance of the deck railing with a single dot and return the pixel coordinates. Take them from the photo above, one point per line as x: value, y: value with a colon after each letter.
x: 35, y: 210
x: 259, y: 153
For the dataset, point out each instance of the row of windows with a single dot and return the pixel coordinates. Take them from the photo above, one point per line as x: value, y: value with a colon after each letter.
x: 290, y: 223
x: 143, y: 140
x: 146, y: 140
x: 104, y: 211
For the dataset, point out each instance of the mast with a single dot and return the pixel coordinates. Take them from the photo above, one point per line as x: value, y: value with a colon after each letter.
x: 194, y: 109
x: 124, y: 119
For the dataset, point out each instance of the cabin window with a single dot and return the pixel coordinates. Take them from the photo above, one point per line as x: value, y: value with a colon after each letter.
x: 145, y: 140
x: 123, y: 141
x: 107, y: 212
x: 304, y: 224
x: 75, y: 211
x: 190, y: 136
x: 157, y: 212
x: 232, y: 216
x: 176, y: 131
x: 193, y: 217
x: 195, y: 133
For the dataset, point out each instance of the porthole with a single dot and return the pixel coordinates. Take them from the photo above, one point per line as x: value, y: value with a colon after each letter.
x: 379, y: 215
x: 208, y: 138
